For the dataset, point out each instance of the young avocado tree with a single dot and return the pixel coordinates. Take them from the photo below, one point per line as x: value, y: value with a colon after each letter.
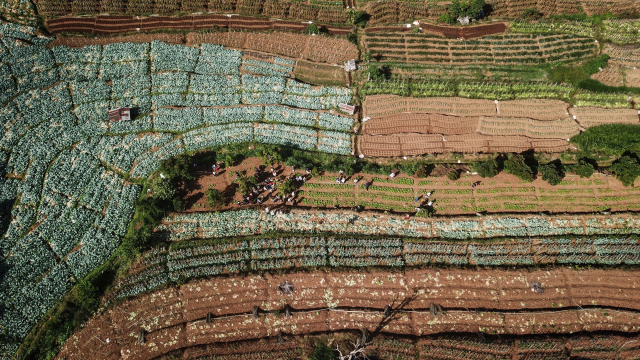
x: 515, y: 165
x: 627, y: 169
x: 469, y: 8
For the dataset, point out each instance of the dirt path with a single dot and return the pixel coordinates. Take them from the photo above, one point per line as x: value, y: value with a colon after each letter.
x: 502, y: 193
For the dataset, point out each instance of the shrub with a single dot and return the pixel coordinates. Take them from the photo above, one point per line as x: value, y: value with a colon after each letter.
x: 323, y: 352
x: 245, y: 183
x: 531, y: 14
x: 488, y: 168
x: 612, y: 139
x: 178, y: 167
x: 626, y: 170
x: 269, y: 154
x: 288, y: 186
x: 88, y: 295
x: 583, y: 168
x: 552, y: 172
x: 515, y: 165
x: 447, y: 19
x: 453, y: 175
x: 353, y: 38
x: 312, y: 29
x: 215, y: 199
x: 421, y: 172
x: 462, y: 8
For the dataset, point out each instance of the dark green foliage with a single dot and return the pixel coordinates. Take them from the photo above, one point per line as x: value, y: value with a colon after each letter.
x: 422, y: 172
x: 215, y: 199
x: 179, y: 167
x: 178, y: 204
x: 531, y: 14
x: 470, y: 8
x: 515, y: 165
x: 612, y: 139
x: 163, y: 188
x: 245, y: 183
x: 379, y: 72
x: 597, y: 86
x: 552, y: 172
x: 488, y: 168
x: 358, y: 17
x: 447, y: 19
x: 583, y: 168
x: 323, y: 352
x: 453, y: 175
x: 88, y: 295
x: 353, y: 38
x: 593, y: 66
x: 269, y: 154
x: 312, y: 29
x: 288, y: 186
x: 626, y: 170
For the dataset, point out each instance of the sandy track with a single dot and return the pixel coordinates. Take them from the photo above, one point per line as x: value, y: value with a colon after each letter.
x: 174, y: 318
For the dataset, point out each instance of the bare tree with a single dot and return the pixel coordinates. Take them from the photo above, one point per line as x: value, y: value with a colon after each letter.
x: 286, y: 287
x: 435, y: 309
x: 537, y: 288
x: 358, y: 352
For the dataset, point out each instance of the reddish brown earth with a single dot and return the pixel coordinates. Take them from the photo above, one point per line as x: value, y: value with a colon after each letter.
x: 489, y: 301
x: 500, y: 194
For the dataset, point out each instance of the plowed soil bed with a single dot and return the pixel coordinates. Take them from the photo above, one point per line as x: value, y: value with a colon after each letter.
x: 489, y: 301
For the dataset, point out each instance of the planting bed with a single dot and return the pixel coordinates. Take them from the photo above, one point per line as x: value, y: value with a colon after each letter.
x: 571, y: 303
x: 497, y: 49
x: 192, y: 260
x: 67, y: 163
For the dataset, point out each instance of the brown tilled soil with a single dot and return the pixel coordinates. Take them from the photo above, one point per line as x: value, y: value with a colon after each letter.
x: 502, y: 193
x: 487, y: 301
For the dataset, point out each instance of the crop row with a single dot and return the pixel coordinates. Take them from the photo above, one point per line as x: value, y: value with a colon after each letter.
x: 253, y: 222
x: 273, y: 254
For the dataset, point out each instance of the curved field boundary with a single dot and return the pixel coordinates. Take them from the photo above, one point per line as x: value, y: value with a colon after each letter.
x: 467, y: 32
x: 323, y: 302
x: 158, y: 267
x: 254, y: 222
x: 108, y: 25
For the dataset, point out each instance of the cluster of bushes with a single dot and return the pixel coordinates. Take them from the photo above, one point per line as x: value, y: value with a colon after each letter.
x: 461, y: 8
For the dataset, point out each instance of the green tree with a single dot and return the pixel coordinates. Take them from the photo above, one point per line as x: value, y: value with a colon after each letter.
x: 583, y: 168
x: 215, y: 199
x: 245, y: 183
x: 312, y: 29
x: 470, y: 8
x: 163, y: 189
x: 515, y: 165
x: 552, y: 172
x: 353, y: 38
x: 447, y: 19
x: 178, y: 167
x: 288, y: 186
x: 453, y: 175
x: 269, y: 154
x: 626, y: 170
x: 488, y: 168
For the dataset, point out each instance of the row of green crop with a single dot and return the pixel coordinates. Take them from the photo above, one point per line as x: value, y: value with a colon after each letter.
x: 260, y: 254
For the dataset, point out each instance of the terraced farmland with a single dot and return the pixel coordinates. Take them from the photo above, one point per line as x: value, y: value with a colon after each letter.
x: 479, y: 202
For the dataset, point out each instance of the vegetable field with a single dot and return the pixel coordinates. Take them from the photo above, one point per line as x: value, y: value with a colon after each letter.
x: 192, y: 260
x: 496, y: 49
x: 68, y: 203
x: 480, y: 301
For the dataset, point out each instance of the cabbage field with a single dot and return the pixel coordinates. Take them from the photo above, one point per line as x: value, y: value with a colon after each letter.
x: 65, y: 201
